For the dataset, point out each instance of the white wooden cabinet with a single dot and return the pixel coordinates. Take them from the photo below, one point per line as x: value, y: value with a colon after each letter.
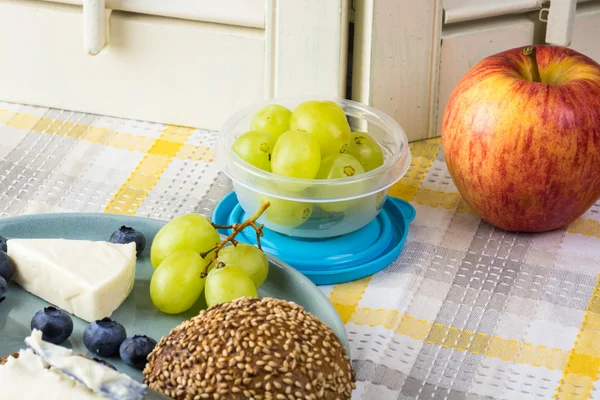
x: 194, y: 62
x: 409, y: 55
x: 178, y: 61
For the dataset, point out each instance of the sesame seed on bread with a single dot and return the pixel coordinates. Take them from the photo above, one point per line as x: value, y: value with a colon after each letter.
x: 251, y: 348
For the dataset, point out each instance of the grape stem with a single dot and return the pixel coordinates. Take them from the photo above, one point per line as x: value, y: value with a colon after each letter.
x: 217, y: 226
x: 237, y: 228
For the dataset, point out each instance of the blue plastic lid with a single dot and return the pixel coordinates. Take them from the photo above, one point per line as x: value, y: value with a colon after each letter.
x: 331, y: 260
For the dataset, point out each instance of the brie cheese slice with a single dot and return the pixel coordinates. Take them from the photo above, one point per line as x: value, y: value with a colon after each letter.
x: 85, y: 278
x: 111, y: 384
x: 50, y: 372
x: 28, y: 377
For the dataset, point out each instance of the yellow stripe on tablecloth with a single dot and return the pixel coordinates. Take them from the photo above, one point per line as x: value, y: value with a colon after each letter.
x: 147, y: 173
x: 55, y: 127
x: 407, y: 187
x: 583, y: 365
x: 22, y: 121
x: 196, y: 153
x: 436, y: 198
x: 463, y: 340
x: 428, y: 148
x: 103, y: 136
x: 423, y: 154
x: 453, y: 200
x: 345, y: 297
x: 6, y: 116
x: 586, y: 227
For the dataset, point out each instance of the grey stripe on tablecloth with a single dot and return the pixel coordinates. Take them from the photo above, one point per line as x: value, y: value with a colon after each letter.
x: 219, y: 189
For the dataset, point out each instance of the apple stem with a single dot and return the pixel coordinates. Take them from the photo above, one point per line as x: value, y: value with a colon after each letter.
x: 530, y: 52
x: 237, y: 228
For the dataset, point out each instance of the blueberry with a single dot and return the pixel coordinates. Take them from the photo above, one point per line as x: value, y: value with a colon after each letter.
x: 127, y: 235
x: 105, y: 363
x: 6, y: 266
x: 104, y: 337
x: 56, y: 325
x: 3, y: 244
x: 3, y: 289
x: 134, y: 350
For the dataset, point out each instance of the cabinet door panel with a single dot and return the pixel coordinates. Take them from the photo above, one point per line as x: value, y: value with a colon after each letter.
x: 396, y: 47
x: 307, y: 45
x: 464, y: 46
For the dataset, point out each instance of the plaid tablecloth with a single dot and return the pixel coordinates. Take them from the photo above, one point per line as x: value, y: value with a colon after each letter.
x: 466, y: 312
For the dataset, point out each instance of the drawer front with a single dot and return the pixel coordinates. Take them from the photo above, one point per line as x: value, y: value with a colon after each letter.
x: 249, y: 13
x: 472, y: 10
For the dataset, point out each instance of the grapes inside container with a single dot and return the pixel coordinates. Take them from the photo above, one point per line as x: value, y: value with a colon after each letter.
x: 325, y: 165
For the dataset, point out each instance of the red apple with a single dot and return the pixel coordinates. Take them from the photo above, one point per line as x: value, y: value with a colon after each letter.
x: 521, y: 137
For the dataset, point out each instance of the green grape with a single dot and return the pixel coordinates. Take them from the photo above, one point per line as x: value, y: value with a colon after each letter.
x: 249, y: 258
x: 346, y: 206
x: 335, y: 167
x: 325, y: 122
x: 288, y: 213
x: 255, y: 148
x: 272, y: 119
x: 339, y: 166
x: 366, y: 150
x: 226, y: 284
x: 297, y: 155
x: 336, y: 106
x: 188, y: 232
x: 176, y: 284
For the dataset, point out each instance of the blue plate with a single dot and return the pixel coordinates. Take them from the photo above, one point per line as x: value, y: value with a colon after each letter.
x: 137, y: 313
x: 331, y: 260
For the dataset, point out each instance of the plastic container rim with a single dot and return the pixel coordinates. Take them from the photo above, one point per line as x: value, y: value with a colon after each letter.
x: 399, y: 152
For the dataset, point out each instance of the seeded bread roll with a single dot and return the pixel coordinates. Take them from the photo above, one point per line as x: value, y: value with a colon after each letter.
x: 251, y: 348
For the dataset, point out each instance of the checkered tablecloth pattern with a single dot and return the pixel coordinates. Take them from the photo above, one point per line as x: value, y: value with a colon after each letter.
x: 466, y: 312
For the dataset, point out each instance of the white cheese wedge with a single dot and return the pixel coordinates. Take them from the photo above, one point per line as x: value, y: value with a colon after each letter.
x: 28, y: 377
x: 85, y: 278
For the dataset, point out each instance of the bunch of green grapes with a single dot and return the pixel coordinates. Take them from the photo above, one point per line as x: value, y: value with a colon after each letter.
x: 240, y: 271
x: 314, y: 141
x: 180, y: 254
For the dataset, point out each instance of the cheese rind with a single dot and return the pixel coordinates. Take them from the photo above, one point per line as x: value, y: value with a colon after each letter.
x: 89, y: 279
x: 93, y: 375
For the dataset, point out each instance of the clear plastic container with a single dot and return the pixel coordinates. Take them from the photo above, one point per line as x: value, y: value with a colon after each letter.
x: 358, y: 199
